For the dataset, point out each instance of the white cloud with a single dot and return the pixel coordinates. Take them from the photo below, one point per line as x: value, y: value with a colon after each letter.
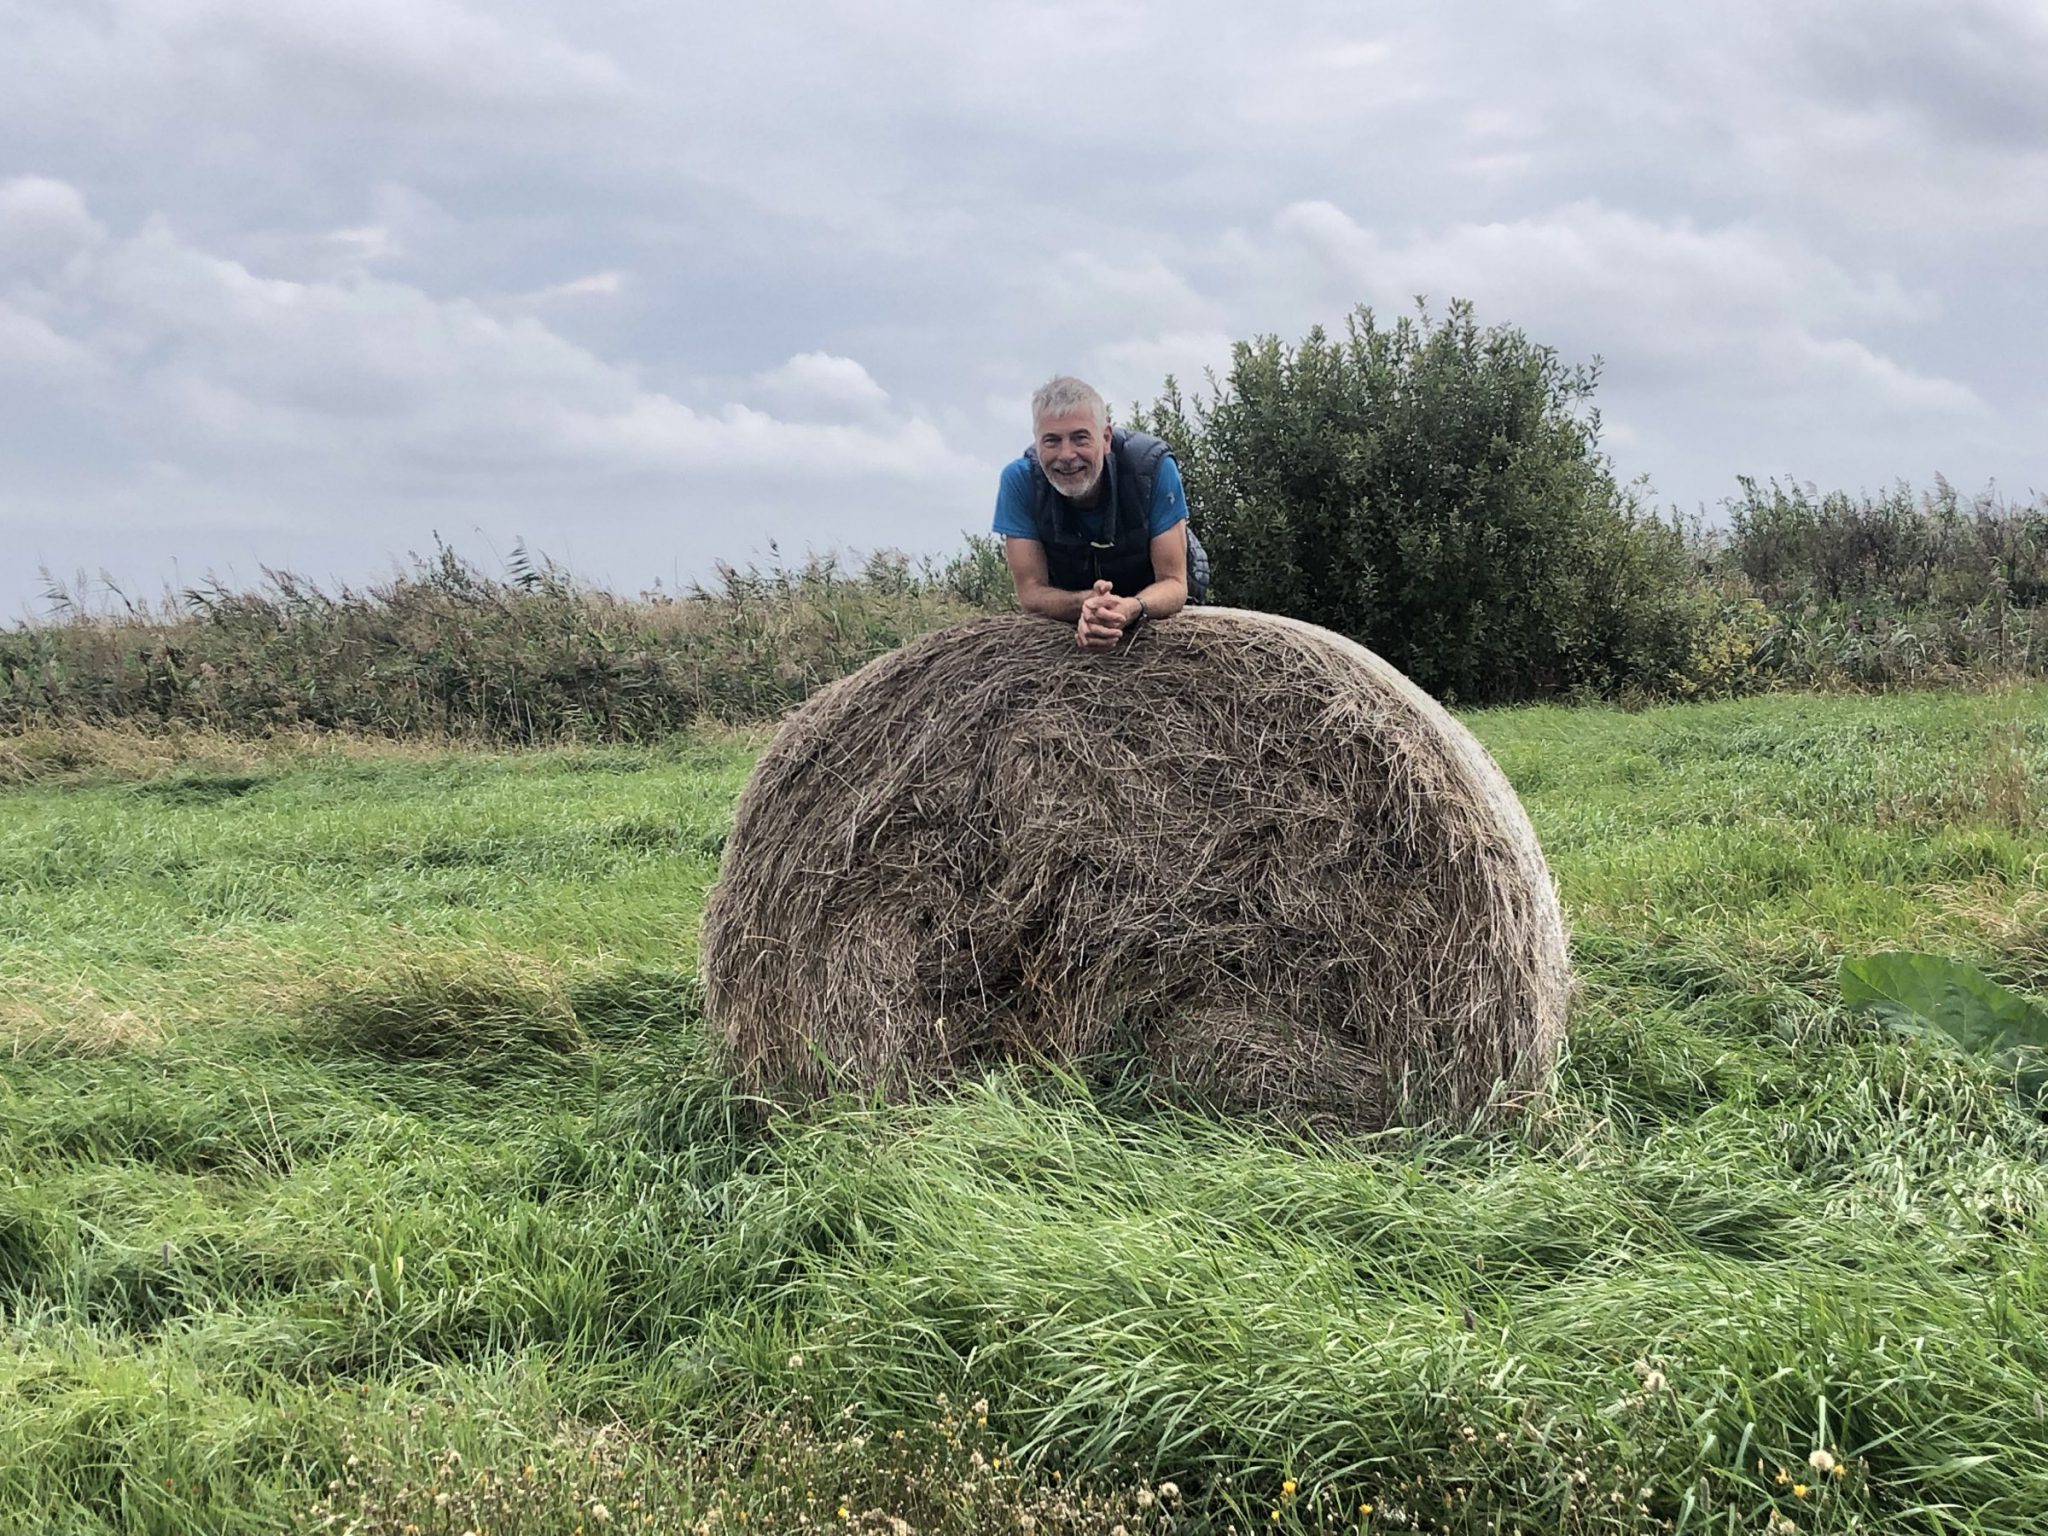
x: 1133, y: 369
x: 390, y: 58
x: 656, y: 432
x: 404, y: 52
x: 44, y: 224
x: 813, y: 382
x: 391, y: 229
x: 1671, y: 303
x: 31, y: 349
x: 1137, y: 294
x: 600, y: 285
x: 1365, y: 54
x: 363, y: 245
x: 235, y: 388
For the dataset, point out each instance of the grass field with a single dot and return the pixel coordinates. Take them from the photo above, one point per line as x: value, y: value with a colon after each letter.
x: 362, y: 1166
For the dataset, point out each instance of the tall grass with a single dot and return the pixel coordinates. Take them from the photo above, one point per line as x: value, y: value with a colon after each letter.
x: 1801, y: 591
x: 356, y: 1111
x: 446, y: 651
x: 1903, y: 550
x: 1812, y: 590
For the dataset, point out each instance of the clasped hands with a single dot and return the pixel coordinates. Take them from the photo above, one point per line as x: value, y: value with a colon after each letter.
x: 1105, y: 618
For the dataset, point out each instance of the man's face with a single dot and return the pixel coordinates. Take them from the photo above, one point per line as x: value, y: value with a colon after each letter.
x: 1071, y: 449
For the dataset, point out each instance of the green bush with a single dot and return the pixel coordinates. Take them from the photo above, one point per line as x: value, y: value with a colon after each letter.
x: 1436, y: 490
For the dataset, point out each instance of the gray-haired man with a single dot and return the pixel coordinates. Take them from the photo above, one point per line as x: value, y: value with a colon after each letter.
x: 1095, y: 522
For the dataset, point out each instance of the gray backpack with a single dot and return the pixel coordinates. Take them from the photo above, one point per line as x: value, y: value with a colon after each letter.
x: 1198, y: 567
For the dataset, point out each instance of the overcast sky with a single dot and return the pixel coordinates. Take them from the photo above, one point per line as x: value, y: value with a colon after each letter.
x: 302, y: 283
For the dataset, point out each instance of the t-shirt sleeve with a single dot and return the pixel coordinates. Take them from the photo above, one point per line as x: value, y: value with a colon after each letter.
x: 1169, y: 497
x: 1013, y: 502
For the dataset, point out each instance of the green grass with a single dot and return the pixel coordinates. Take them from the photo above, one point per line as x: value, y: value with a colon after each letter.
x: 358, y: 1108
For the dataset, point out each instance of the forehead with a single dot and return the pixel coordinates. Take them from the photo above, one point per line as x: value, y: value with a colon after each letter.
x: 1067, y: 423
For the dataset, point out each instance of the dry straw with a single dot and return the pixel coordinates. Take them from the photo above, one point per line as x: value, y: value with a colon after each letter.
x: 1239, y: 847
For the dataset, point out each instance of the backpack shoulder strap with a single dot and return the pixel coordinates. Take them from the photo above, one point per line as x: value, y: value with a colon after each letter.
x: 1138, y: 457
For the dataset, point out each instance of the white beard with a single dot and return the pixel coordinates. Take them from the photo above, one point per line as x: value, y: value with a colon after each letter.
x: 1079, y: 492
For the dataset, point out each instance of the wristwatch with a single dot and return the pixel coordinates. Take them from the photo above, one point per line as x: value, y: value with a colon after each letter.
x: 1144, y: 613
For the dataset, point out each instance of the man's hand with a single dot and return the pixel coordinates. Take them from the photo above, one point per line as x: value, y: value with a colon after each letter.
x: 1104, y: 618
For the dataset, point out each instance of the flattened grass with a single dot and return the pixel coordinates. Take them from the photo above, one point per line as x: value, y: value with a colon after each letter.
x: 360, y: 1110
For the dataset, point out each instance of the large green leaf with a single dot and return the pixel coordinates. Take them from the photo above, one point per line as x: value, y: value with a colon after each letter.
x: 1913, y: 992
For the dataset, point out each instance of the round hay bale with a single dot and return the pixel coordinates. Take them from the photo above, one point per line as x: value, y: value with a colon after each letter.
x: 1239, y: 847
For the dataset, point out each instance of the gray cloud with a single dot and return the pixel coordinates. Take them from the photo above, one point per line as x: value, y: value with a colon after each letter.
x: 365, y: 63
x: 238, y: 402
x: 1964, y: 70
x: 652, y: 286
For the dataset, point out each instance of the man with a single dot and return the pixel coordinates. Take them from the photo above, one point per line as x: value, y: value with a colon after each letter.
x: 1095, y: 522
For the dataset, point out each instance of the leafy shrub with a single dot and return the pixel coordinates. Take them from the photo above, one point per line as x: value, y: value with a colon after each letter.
x: 1436, y: 491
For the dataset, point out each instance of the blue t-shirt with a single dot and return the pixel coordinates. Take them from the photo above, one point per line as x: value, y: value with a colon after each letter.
x: 1016, y: 493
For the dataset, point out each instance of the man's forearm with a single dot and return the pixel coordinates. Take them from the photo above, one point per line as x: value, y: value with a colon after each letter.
x: 1053, y: 603
x: 1163, y: 599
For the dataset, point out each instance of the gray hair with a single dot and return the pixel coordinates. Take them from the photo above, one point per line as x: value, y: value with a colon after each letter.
x: 1060, y: 395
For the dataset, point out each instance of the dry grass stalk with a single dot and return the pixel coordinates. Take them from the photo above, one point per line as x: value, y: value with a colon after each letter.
x: 75, y: 753
x: 72, y: 1022
x: 1240, y: 847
